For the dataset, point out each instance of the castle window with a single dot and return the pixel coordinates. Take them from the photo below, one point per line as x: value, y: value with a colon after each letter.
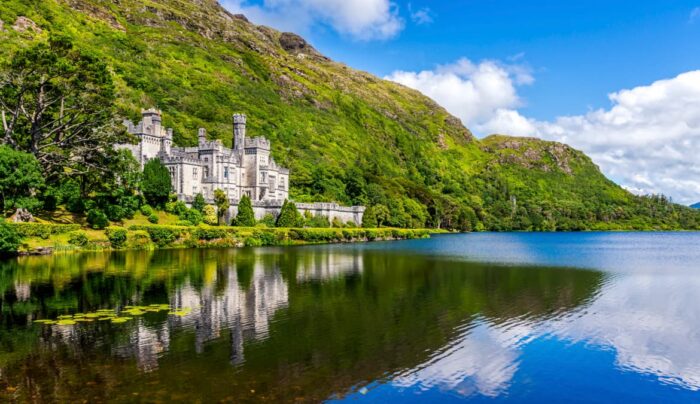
x: 264, y: 177
x: 194, y: 173
x: 206, y: 172
x: 225, y: 172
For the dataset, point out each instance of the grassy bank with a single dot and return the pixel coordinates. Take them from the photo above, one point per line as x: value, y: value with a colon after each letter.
x: 47, y: 238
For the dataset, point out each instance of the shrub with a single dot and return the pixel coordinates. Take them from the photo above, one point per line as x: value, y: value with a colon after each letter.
x: 318, y: 221
x: 267, y: 221
x: 209, y: 215
x: 337, y: 223
x: 146, y: 210
x: 153, y: 218
x: 192, y: 215
x: 9, y: 239
x: 199, y: 203
x: 139, y: 240
x: 253, y: 242
x: 245, y: 216
x: 43, y: 230
x: 351, y: 225
x: 222, y: 203
x: 117, y: 236
x: 115, y: 213
x: 97, y: 219
x: 78, y: 238
x: 289, y: 216
x: 162, y: 235
x: 211, y: 234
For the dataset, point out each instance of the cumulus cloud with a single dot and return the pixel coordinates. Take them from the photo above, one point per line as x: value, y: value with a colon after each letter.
x: 648, y: 140
x: 475, y: 92
x: 359, y: 19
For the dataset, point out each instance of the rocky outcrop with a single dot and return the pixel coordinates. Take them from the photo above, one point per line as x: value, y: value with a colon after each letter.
x: 24, y: 24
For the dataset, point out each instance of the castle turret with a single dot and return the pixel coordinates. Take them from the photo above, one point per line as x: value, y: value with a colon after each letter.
x: 202, y: 135
x: 151, y: 120
x: 238, y: 131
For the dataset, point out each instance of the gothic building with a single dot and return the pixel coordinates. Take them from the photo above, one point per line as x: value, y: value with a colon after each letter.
x: 247, y: 169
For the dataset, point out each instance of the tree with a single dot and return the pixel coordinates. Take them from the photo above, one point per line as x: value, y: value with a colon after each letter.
x: 57, y: 103
x: 20, y: 178
x: 369, y: 219
x: 382, y: 214
x: 221, y: 202
x: 209, y: 215
x: 9, y: 239
x: 289, y: 216
x: 245, y: 216
x: 199, y: 203
x: 156, y: 184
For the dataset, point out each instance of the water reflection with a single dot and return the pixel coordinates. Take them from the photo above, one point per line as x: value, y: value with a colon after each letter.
x: 375, y: 322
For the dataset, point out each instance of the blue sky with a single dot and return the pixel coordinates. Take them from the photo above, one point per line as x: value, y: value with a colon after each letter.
x: 599, y: 75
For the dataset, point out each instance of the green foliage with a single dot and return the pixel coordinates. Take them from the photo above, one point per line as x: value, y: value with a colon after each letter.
x: 56, y: 100
x: 199, y: 203
x: 146, y: 210
x: 318, y: 221
x: 346, y: 135
x: 10, y: 239
x: 97, y: 219
x: 117, y: 236
x: 42, y: 230
x: 221, y: 202
x: 289, y: 216
x: 369, y: 219
x: 153, y: 218
x: 78, y: 238
x: 245, y: 216
x: 162, y: 236
x: 20, y: 179
x: 337, y: 223
x: 209, y: 215
x: 192, y: 216
x: 267, y: 221
x: 156, y: 184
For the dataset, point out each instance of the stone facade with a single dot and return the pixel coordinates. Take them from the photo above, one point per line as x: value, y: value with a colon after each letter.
x: 247, y: 169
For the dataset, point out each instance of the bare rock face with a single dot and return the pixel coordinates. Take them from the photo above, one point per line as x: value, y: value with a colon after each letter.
x: 241, y: 17
x: 293, y: 42
x: 24, y: 24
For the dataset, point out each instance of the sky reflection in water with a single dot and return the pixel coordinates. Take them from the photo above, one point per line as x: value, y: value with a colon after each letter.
x: 521, y: 317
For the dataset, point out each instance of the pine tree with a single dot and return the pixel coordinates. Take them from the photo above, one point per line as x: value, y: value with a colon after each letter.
x: 289, y: 216
x: 245, y: 216
x: 156, y: 185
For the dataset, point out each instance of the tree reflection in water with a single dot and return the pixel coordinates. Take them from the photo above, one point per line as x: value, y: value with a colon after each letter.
x: 275, y: 324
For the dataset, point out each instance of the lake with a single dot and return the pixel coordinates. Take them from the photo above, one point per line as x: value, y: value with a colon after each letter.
x: 484, y: 317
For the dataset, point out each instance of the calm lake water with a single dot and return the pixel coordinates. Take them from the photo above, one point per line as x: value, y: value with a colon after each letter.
x: 601, y: 317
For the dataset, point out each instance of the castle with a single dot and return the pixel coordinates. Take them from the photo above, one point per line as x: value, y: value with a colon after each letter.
x: 247, y: 169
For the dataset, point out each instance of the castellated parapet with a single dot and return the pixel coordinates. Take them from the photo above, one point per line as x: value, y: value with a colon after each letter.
x: 246, y: 169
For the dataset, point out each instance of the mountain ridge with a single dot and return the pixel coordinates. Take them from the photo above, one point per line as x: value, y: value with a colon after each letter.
x: 346, y: 135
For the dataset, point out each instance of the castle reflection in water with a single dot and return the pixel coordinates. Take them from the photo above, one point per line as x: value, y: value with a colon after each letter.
x: 223, y: 306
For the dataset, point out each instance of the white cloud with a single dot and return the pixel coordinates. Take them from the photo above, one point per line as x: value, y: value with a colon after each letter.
x: 475, y: 92
x: 359, y: 19
x: 648, y: 140
x: 422, y: 16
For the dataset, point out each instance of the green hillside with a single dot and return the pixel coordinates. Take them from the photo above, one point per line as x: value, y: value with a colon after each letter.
x: 346, y: 135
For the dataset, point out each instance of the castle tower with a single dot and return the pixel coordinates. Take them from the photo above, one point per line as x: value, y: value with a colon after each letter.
x: 151, y: 118
x: 202, y: 136
x: 238, y: 131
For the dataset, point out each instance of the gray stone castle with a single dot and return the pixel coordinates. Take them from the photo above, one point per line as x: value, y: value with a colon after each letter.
x: 247, y: 169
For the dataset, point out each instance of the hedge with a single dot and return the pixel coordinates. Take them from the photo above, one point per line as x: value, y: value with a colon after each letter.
x: 43, y: 230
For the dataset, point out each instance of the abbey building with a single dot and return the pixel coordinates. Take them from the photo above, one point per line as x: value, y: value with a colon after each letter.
x: 247, y: 169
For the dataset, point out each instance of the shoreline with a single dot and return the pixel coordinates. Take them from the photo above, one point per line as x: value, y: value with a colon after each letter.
x: 48, y: 239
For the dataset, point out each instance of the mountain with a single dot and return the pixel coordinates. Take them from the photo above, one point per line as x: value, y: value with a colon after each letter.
x: 695, y: 205
x: 346, y: 135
